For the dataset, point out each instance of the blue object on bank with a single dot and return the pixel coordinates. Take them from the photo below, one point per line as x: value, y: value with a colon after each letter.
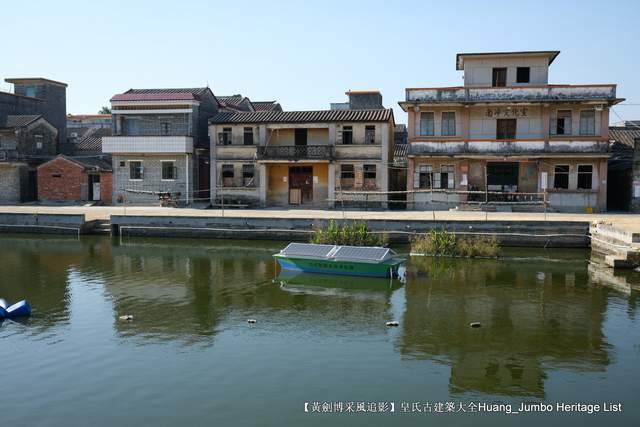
x: 21, y: 308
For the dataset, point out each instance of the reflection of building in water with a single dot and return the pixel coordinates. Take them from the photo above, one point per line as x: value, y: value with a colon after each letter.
x: 536, y: 316
x: 37, y: 269
x: 184, y: 290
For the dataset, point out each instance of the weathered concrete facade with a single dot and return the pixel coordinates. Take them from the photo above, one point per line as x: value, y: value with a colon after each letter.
x: 509, y: 134
x: 635, y: 195
x: 303, y: 158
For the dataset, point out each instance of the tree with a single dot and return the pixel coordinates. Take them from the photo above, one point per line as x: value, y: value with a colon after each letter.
x: 105, y: 110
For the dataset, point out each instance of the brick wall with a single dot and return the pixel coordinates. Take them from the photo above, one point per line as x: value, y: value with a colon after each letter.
x: 62, y: 180
x: 106, y: 187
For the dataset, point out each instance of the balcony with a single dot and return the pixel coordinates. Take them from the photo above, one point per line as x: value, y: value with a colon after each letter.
x: 550, y: 93
x: 296, y: 152
x: 507, y: 147
x: 147, y: 144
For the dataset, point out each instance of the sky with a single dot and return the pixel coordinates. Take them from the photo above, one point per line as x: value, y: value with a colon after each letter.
x: 307, y: 54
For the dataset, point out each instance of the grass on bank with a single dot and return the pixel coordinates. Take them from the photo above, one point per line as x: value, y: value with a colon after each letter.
x: 443, y: 243
x: 356, y: 234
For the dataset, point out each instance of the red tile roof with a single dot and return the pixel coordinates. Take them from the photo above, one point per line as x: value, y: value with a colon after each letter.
x: 191, y: 94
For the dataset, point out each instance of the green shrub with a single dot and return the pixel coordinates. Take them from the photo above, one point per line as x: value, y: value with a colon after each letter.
x: 443, y: 243
x: 355, y: 234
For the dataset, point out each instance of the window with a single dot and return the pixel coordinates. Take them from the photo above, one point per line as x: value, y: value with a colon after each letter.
x: 370, y: 135
x: 135, y: 170
x: 563, y: 122
x: 347, y: 176
x: 165, y: 128
x: 585, y: 177
x: 425, y: 176
x: 445, y: 179
x: 300, y: 137
x: 248, y: 136
x: 426, y: 124
x: 561, y: 177
x: 122, y: 164
x: 523, y: 74
x: 587, y: 122
x: 506, y: 128
x: 39, y: 141
x: 347, y: 135
x: 227, y: 175
x: 448, y: 124
x: 369, y: 172
x: 30, y: 91
x: 224, y: 137
x: 248, y: 176
x: 169, y: 170
x: 499, y: 77
x: 56, y: 175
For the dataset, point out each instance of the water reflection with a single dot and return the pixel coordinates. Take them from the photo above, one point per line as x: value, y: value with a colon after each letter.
x: 535, y: 316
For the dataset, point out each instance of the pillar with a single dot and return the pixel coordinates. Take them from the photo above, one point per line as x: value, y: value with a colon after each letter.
x: 602, y: 186
x: 331, y: 184
x: 262, y: 168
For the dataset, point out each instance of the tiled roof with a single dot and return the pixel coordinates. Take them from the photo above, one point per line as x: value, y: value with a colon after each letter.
x: 174, y: 94
x: 92, y: 140
x: 266, y: 106
x: 624, y: 136
x: 98, y: 162
x: 231, y: 100
x: 19, y: 121
x: 322, y: 116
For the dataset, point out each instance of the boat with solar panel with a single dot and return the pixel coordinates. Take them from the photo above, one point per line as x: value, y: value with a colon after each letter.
x: 369, y: 261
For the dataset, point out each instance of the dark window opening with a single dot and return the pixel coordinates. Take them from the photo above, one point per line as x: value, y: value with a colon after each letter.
x: 135, y: 170
x: 248, y: 136
x: 563, y: 122
x: 425, y: 176
x: 169, y: 171
x: 224, y: 137
x: 499, y: 78
x: 347, y: 176
x: 300, y: 137
x: 369, y: 172
x: 561, y: 177
x: 585, y: 177
x: 165, y: 128
x: 347, y: 135
x: 370, y: 135
x: 447, y: 176
x: 227, y: 175
x: 248, y: 175
x: 523, y: 75
x: 506, y: 128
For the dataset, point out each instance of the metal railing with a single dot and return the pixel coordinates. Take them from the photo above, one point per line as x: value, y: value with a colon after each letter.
x: 296, y: 152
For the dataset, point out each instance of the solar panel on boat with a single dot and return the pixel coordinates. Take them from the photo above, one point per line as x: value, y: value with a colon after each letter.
x: 305, y: 249
x: 361, y: 253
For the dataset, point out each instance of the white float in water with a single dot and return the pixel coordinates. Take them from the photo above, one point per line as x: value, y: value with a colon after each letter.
x: 252, y: 321
x: 393, y: 323
x: 128, y: 317
x: 475, y: 324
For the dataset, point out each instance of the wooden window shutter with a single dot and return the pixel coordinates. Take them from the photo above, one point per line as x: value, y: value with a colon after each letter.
x: 436, y: 180
x: 451, y: 181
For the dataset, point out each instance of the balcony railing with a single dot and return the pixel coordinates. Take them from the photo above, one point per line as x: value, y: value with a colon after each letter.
x: 296, y: 152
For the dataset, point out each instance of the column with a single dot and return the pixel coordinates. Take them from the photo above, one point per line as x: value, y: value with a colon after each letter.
x: 262, y: 167
x: 213, y: 166
x: 331, y: 184
x: 602, y: 186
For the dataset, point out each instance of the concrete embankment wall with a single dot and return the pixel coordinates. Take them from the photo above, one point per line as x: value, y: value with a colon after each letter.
x: 42, y: 223
x: 509, y: 233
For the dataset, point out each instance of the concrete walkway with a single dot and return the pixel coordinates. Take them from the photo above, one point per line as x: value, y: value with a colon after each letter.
x: 628, y: 222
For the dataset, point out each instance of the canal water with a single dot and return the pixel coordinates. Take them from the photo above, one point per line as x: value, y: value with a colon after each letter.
x: 554, y: 329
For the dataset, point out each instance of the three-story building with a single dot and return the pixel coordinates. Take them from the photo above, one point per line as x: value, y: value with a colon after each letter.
x: 160, y: 144
x: 302, y: 158
x: 509, y: 134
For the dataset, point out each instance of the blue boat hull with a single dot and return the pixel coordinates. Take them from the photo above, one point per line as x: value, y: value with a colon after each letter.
x: 19, y: 309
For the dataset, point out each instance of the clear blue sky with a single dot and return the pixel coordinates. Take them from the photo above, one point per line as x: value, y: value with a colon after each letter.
x: 306, y: 54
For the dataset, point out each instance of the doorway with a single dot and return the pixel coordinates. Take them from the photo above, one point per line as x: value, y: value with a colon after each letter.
x: 300, y: 137
x: 300, y: 185
x: 502, y: 177
x: 94, y: 187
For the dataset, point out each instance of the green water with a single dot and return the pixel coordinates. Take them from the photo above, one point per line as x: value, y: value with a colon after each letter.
x: 551, y: 332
